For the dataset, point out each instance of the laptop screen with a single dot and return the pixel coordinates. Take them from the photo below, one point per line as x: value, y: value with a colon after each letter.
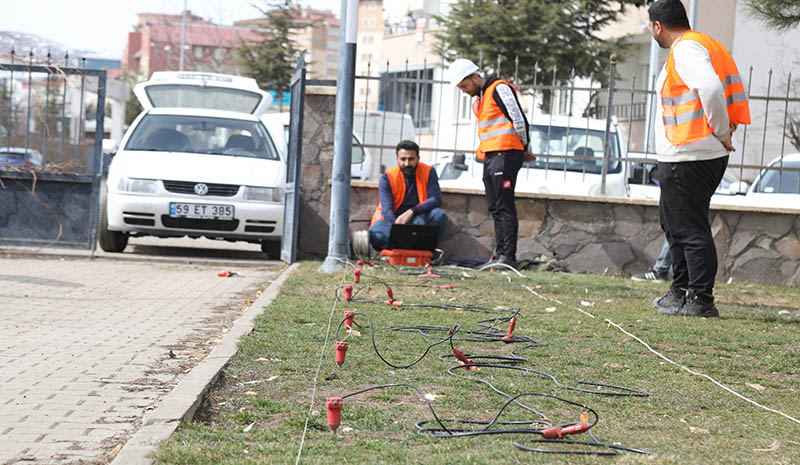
x: 413, y: 237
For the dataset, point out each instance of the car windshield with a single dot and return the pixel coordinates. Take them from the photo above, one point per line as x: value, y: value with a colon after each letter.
x: 775, y: 180
x: 199, y: 134
x: 581, y: 149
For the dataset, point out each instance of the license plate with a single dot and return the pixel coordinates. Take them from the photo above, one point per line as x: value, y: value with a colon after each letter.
x: 201, y: 211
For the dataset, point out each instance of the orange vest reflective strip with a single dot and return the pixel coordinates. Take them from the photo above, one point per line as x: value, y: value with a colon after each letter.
x: 398, y: 184
x: 683, y: 115
x: 495, y: 131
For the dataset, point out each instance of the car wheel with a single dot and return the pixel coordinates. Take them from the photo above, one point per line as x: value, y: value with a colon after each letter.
x: 272, y: 249
x: 110, y: 241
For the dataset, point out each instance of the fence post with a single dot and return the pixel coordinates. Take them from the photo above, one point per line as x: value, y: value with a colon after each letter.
x: 604, y: 171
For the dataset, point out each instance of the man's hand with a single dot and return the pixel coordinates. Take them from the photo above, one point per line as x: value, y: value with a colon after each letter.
x: 728, y: 143
x: 528, y: 157
x: 405, y: 217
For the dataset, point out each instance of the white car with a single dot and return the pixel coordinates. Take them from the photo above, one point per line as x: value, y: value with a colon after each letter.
x: 775, y: 187
x: 21, y: 156
x: 278, y: 126
x: 196, y: 162
x: 570, y: 160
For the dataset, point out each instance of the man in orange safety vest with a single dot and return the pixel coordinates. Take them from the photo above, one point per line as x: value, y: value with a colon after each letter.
x: 503, y: 146
x: 702, y: 100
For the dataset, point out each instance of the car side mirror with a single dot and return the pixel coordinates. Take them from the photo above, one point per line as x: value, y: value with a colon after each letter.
x: 459, y: 162
x: 738, y: 188
x: 110, y: 146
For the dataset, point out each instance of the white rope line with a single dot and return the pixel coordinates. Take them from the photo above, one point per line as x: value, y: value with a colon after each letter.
x: 557, y: 301
x: 319, y: 365
x: 689, y: 370
x: 703, y: 375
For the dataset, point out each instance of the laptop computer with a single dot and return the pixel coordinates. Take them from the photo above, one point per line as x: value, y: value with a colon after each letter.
x: 413, y: 237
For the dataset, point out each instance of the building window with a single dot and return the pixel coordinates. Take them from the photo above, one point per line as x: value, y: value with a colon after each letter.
x: 464, y: 103
x: 198, y: 52
x: 409, y: 92
x: 369, y: 23
x: 369, y: 5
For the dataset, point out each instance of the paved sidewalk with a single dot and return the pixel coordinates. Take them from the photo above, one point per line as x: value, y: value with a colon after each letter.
x: 89, y: 346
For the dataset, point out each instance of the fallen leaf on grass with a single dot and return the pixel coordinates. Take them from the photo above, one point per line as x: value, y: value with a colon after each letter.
x: 248, y: 427
x: 587, y: 304
x: 431, y: 396
x: 785, y: 312
x: 251, y: 393
x: 262, y: 359
x: 608, y: 301
x: 698, y: 430
x: 775, y: 445
x: 353, y: 332
x: 755, y: 386
x: 272, y: 378
x: 550, y: 309
x: 683, y: 418
x: 346, y: 429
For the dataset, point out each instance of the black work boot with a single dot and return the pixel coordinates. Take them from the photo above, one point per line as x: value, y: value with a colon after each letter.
x: 670, y: 303
x: 699, y: 304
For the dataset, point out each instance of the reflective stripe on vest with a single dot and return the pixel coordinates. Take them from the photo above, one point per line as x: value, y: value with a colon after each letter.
x: 495, y: 131
x: 683, y: 115
x: 398, y: 184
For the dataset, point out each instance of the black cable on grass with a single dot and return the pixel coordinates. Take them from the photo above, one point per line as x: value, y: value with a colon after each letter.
x: 453, y: 330
x: 489, y: 332
x: 384, y: 386
x: 619, y: 391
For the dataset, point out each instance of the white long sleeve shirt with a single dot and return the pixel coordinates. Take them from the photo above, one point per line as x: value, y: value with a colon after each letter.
x: 693, y: 65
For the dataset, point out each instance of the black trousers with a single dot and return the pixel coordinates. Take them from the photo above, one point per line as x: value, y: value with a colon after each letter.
x: 686, y: 190
x: 500, y: 179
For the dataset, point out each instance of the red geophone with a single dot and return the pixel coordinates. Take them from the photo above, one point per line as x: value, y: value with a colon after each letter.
x: 510, y: 337
x: 334, y: 405
x: 348, y: 292
x: 357, y: 275
x: 348, y: 319
x: 558, y: 432
x: 341, y: 349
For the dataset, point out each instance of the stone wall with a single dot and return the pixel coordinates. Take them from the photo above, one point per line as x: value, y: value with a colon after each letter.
x: 582, y: 234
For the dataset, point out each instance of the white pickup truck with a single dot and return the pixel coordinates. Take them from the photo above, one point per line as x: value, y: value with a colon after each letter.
x: 569, y: 160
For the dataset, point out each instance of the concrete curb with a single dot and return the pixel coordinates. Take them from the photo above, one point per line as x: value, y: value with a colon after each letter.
x: 182, y: 402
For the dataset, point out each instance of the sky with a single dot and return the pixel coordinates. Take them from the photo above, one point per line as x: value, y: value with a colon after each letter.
x: 103, y: 25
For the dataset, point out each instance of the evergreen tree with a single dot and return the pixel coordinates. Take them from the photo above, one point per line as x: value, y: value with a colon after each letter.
x: 559, y: 35
x: 779, y: 14
x: 271, y: 61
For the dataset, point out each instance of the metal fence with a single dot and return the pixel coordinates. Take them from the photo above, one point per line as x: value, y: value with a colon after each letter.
x: 51, y: 132
x: 443, y: 123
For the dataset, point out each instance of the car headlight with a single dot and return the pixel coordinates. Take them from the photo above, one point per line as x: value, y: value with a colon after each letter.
x: 264, y: 194
x: 139, y: 186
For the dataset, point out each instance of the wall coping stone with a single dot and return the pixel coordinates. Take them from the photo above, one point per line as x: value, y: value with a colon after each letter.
x: 597, y: 199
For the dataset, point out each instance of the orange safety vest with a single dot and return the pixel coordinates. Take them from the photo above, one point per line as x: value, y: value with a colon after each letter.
x: 683, y: 115
x: 495, y: 131
x: 398, y: 184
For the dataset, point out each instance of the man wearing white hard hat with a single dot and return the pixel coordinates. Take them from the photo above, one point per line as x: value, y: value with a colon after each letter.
x: 503, y: 135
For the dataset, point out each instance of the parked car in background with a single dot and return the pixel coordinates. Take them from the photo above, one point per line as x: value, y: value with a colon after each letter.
x: 644, y: 178
x: 570, y: 160
x: 776, y: 187
x: 196, y: 162
x: 20, y: 156
x: 278, y: 125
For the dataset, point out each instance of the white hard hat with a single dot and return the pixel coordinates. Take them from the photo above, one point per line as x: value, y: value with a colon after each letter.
x: 460, y: 69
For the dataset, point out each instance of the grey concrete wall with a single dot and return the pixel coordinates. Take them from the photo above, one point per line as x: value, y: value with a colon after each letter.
x: 583, y: 234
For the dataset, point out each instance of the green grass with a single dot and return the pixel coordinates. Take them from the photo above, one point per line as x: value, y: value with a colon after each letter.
x: 686, y: 418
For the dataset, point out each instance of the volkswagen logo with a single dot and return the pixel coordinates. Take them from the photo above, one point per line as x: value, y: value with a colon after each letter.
x: 200, y: 189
